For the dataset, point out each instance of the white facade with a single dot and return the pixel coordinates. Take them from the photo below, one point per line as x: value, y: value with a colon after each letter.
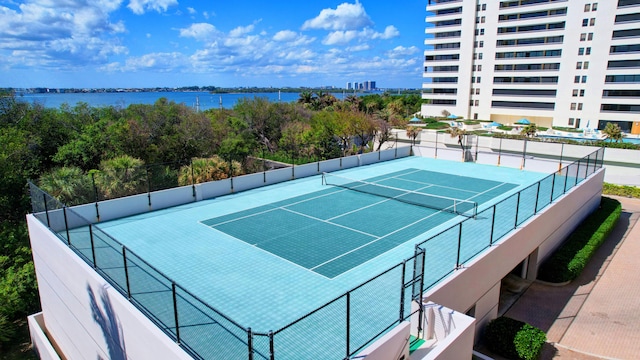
x: 556, y: 62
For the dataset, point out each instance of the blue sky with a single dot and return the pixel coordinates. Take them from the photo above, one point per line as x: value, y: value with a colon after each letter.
x: 148, y: 43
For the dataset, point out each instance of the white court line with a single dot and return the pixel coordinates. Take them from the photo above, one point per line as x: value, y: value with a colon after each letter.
x: 374, y: 241
x: 329, y: 222
x: 486, y: 191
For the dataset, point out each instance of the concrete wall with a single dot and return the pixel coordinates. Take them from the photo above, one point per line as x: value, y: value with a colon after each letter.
x: 477, y: 282
x: 39, y: 340
x: 392, y: 345
x: 86, y: 316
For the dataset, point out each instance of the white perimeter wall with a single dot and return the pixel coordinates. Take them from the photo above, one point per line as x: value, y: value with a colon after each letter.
x: 73, y: 296
x: 478, y: 283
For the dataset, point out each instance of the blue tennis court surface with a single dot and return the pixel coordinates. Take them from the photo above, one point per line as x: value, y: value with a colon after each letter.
x: 333, y: 230
x: 266, y: 257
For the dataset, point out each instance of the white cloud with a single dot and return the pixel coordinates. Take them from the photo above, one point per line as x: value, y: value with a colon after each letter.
x: 191, y: 10
x: 160, y: 62
x: 285, y: 35
x: 340, y: 37
x: 389, y: 32
x: 361, y: 47
x: 199, y: 31
x: 345, y: 17
x: 400, y: 51
x: 139, y: 7
x: 241, y: 30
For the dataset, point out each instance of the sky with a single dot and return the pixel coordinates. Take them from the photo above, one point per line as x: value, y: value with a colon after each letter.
x: 239, y: 43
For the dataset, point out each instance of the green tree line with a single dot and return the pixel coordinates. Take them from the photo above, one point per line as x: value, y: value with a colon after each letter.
x: 79, y: 152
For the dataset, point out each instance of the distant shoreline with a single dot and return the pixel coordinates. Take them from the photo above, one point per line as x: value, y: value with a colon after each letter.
x: 208, y: 89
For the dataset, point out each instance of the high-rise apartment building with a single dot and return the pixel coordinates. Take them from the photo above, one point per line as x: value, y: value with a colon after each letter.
x: 556, y: 62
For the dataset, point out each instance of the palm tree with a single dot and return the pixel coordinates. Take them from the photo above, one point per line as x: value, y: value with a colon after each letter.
x: 121, y: 176
x: 68, y: 185
x: 306, y: 97
x: 613, y: 132
x: 529, y: 130
x: 459, y: 133
x: 208, y: 169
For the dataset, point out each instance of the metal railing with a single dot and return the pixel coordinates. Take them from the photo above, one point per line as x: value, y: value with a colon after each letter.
x: 339, y: 329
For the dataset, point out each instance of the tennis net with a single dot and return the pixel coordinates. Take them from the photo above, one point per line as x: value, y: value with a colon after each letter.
x: 457, y: 206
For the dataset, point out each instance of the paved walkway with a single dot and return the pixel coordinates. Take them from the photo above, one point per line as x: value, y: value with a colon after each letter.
x: 597, y: 316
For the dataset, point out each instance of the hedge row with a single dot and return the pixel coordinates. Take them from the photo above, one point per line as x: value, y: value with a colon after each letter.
x: 514, y: 339
x: 568, y: 261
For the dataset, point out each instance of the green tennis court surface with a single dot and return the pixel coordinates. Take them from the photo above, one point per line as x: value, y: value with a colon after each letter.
x: 335, y: 229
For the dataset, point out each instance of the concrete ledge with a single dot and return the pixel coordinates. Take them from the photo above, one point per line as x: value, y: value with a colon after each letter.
x: 41, y: 344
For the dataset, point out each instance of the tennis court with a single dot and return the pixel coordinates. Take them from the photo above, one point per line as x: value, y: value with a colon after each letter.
x: 349, y: 222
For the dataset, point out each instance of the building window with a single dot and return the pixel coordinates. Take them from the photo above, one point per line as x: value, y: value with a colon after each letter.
x: 573, y: 106
x: 473, y: 79
x: 477, y: 103
x: 590, y: 36
x: 571, y: 121
x: 581, y: 51
x: 475, y: 56
x: 579, y: 65
x: 584, y: 79
x: 576, y: 79
x: 475, y: 116
x: 477, y: 91
x: 481, y: 31
x: 479, y: 56
x: 472, y: 91
x: 594, y: 7
x: 582, y: 92
x: 481, y: 43
x: 586, y: 64
x: 583, y: 36
x: 482, y: 19
x: 588, y: 51
x: 479, y: 67
x: 478, y: 80
x: 585, y: 22
x: 470, y: 102
x: 587, y: 7
x: 484, y: 6
x: 591, y: 22
x: 575, y: 92
x: 579, y: 106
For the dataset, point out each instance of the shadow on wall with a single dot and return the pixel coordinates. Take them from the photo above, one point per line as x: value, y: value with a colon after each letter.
x: 109, y: 324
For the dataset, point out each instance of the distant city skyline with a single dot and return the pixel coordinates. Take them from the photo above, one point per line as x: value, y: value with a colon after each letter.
x: 176, y: 43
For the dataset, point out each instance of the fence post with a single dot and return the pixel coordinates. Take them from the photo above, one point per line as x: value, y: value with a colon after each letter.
x: 524, y: 154
x: 517, y: 210
x: 566, y: 178
x: 459, y: 246
x: 148, y: 186
x: 348, y: 337
x: 553, y: 186
x: 535, y: 209
x: 561, y: 153
x: 436, y: 153
x: 272, y: 355
x: 95, y: 194
x: 250, y: 343
x: 499, y: 151
x: 577, y: 173
x: 126, y: 271
x: 175, y: 311
x: 46, y: 209
x: 404, y: 269
x: 66, y: 224
x: 493, y: 223
x: 193, y: 179
x: 93, y: 247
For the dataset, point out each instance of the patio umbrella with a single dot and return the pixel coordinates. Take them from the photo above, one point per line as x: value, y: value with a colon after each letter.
x: 495, y: 124
x: 415, y: 120
x: 452, y: 116
x: 523, y: 121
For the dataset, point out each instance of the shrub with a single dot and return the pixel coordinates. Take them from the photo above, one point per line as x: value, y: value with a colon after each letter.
x: 568, y: 261
x: 514, y: 339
